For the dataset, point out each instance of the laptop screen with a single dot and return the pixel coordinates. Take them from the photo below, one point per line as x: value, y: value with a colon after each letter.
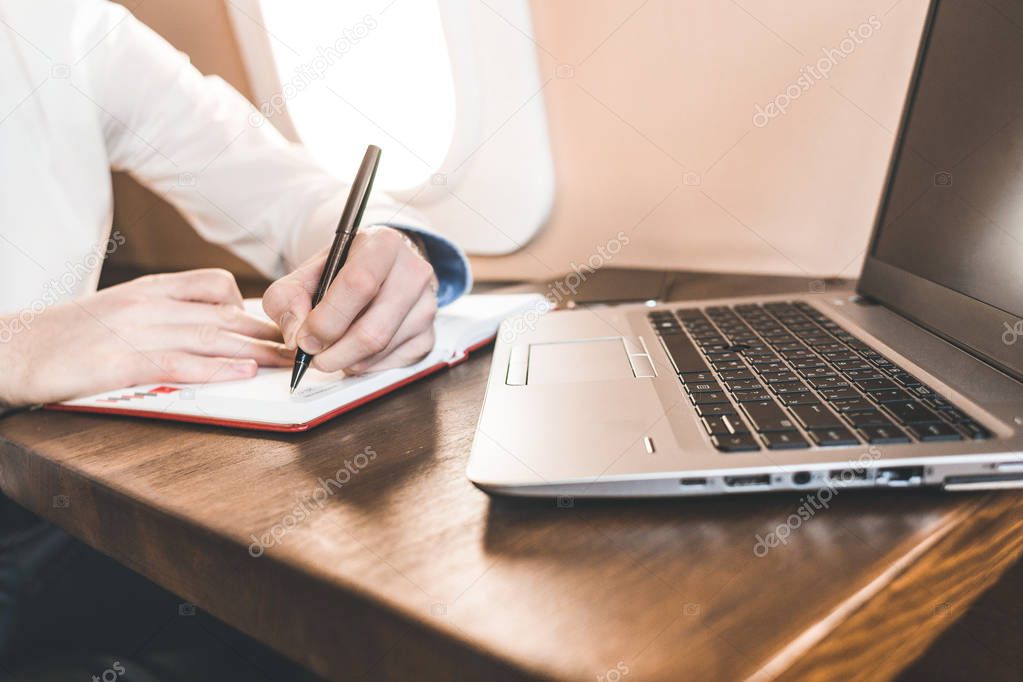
x: 954, y: 210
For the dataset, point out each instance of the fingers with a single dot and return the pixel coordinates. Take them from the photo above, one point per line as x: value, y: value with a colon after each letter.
x: 211, y: 340
x: 210, y: 285
x: 187, y: 368
x: 225, y: 316
x: 371, y: 261
x: 288, y: 300
x: 404, y: 308
x: 418, y: 322
x: 410, y: 352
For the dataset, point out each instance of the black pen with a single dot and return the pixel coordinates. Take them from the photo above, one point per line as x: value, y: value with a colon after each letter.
x: 347, y: 228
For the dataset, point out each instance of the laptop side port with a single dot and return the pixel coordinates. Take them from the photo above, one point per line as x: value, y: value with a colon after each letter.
x: 984, y: 482
x: 850, y: 477
x: 900, y: 477
x: 747, y: 481
x: 693, y: 482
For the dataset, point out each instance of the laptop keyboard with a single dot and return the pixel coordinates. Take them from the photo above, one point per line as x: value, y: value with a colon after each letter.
x: 785, y: 376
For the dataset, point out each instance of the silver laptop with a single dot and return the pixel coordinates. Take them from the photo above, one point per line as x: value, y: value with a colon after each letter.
x: 917, y: 380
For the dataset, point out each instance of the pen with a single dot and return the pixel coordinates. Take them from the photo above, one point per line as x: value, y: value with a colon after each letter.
x: 347, y: 228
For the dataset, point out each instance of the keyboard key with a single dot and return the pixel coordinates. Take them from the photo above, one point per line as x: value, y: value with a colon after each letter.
x: 952, y: 414
x: 767, y: 416
x: 683, y: 354
x: 843, y: 355
x: 788, y: 389
x: 895, y: 395
x: 923, y: 391
x: 933, y: 432
x: 689, y: 314
x: 696, y: 377
x: 810, y: 361
x: 817, y: 341
x: 883, y: 435
x: 801, y: 354
x: 872, y: 418
x: 784, y: 440
x: 851, y: 405
x: 743, y: 442
x: 869, y: 385
x: 751, y: 396
x: 815, y: 416
x: 817, y: 372
x: 859, y: 375
x: 711, y: 398
x: 832, y: 394
x: 905, y: 379
x: 743, y: 385
x: 849, y: 366
x: 722, y: 365
x: 804, y: 398
x: 704, y: 387
x: 975, y: 430
x: 775, y: 378
x: 734, y: 374
x: 725, y: 425
x: 822, y: 383
x: 833, y: 437
x: 767, y: 367
x: 715, y: 410
x: 912, y: 413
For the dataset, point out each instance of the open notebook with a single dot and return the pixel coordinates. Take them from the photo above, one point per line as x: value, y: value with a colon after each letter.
x: 263, y: 402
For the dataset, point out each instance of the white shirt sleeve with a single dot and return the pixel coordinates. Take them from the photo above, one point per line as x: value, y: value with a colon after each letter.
x: 198, y: 143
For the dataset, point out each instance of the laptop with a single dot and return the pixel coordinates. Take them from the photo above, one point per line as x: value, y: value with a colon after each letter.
x: 915, y: 380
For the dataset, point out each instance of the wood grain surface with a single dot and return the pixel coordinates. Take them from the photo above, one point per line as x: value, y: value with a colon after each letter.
x: 388, y: 563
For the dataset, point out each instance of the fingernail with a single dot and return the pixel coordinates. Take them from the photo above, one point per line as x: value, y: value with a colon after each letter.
x: 310, y: 344
x: 244, y: 366
x: 288, y: 328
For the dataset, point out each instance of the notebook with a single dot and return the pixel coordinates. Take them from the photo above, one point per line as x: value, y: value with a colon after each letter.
x: 263, y: 402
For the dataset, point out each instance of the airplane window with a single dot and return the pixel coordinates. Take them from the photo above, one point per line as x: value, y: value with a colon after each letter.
x: 364, y: 71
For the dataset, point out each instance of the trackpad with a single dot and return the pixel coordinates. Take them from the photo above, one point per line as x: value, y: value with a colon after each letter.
x: 571, y: 361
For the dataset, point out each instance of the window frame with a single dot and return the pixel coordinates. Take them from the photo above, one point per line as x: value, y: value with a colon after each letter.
x: 459, y: 199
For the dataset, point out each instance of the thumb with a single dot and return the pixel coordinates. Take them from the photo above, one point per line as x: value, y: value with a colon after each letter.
x: 289, y: 300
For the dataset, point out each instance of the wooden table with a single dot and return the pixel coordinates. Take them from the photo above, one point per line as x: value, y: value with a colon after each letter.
x: 406, y: 570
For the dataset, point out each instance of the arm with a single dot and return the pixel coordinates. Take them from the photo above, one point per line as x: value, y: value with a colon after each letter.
x: 198, y: 143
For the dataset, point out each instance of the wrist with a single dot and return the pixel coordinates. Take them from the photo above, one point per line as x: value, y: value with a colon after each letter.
x: 417, y: 244
x: 12, y: 364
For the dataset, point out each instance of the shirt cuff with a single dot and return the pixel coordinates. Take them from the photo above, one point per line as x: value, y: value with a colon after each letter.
x: 449, y: 263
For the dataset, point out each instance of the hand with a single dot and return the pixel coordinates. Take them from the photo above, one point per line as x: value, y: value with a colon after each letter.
x: 186, y: 327
x: 377, y: 314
